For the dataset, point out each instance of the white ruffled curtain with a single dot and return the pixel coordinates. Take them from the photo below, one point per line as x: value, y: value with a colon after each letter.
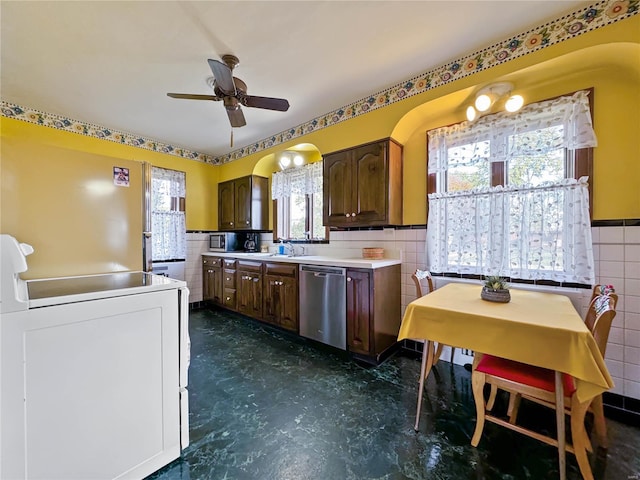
x: 517, y: 134
x: 529, y: 232
x: 532, y: 233
x: 304, y: 180
x: 168, y: 226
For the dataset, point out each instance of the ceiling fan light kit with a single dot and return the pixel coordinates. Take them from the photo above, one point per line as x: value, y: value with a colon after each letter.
x: 233, y: 92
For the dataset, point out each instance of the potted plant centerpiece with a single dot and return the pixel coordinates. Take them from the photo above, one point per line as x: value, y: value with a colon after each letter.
x: 495, y: 289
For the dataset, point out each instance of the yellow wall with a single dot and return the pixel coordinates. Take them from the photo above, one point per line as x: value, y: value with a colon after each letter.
x: 613, y: 72
x: 606, y: 59
x: 58, y: 194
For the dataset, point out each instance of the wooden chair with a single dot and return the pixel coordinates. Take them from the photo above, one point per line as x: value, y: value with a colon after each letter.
x: 514, y: 399
x: 540, y: 385
x: 418, y: 277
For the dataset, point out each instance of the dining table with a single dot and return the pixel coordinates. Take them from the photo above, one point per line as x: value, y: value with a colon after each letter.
x: 537, y: 328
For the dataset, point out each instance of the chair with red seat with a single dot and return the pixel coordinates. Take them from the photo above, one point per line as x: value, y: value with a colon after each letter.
x: 540, y: 384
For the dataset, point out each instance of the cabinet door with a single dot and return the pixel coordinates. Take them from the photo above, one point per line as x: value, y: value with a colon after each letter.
x: 337, y: 188
x: 359, y: 312
x: 281, y: 301
x: 370, y: 184
x: 243, y: 203
x: 226, y: 206
x: 212, y: 280
x: 249, y: 293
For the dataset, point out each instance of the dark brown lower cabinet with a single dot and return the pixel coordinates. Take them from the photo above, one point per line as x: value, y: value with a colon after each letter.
x: 212, y: 280
x: 268, y: 291
x: 281, y: 295
x: 373, y: 310
x: 229, y: 276
x: 249, y: 288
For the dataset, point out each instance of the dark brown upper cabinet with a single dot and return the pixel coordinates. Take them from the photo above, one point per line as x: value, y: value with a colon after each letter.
x: 363, y: 185
x: 243, y: 204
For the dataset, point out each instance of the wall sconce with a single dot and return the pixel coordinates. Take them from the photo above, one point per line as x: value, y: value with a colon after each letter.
x: 486, y: 97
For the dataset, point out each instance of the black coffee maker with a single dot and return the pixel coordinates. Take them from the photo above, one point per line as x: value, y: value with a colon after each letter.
x: 252, y: 242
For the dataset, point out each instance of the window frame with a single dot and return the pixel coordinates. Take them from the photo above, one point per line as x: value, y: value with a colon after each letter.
x: 578, y: 163
x: 308, y: 222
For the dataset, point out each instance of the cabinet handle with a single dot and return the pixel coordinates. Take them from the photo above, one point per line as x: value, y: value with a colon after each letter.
x: 348, y: 279
x: 247, y: 222
x: 230, y: 223
x: 228, y: 279
x: 353, y: 214
x: 209, y: 271
x: 228, y: 299
x: 348, y: 214
x: 205, y: 262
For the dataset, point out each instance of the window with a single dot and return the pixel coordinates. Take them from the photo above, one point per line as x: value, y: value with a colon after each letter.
x: 298, y: 196
x: 169, y: 241
x: 505, y: 200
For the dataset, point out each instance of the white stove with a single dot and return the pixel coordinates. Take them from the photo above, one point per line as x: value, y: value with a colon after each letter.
x: 93, y: 372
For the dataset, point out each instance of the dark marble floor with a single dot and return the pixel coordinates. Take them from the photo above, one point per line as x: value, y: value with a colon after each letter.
x: 268, y: 406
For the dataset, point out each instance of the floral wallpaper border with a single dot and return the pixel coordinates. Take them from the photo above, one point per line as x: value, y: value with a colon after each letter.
x: 569, y: 26
x: 59, y: 122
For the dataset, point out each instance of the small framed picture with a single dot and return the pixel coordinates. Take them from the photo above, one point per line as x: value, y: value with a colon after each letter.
x: 121, y: 176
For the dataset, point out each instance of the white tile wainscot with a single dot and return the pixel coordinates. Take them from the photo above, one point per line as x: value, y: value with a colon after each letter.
x: 197, y: 244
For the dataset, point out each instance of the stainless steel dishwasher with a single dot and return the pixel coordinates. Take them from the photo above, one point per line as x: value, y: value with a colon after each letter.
x: 323, y: 304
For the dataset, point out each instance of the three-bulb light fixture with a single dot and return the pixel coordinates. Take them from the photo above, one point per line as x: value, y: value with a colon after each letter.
x: 487, y: 96
x: 288, y: 159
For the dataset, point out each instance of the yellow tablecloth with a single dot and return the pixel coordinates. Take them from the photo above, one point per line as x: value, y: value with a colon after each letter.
x: 540, y: 329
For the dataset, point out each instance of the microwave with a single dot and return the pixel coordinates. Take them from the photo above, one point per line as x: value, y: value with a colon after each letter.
x: 224, y: 242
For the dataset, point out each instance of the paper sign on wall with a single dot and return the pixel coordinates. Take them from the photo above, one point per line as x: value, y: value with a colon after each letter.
x: 121, y: 176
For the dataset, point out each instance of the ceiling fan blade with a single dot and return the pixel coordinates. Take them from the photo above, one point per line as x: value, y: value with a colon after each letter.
x: 224, y: 78
x: 236, y: 117
x: 190, y: 96
x: 269, y: 103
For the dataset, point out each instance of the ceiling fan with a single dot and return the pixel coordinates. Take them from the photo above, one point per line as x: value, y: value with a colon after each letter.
x: 233, y: 92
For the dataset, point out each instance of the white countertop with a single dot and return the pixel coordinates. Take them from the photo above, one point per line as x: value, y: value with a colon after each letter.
x: 309, y: 259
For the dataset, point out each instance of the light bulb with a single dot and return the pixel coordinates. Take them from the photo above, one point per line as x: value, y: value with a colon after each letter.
x: 284, y: 161
x: 483, y: 102
x: 298, y: 160
x: 514, y: 103
x: 471, y: 113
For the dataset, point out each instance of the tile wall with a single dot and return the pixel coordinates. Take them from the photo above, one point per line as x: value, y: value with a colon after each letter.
x: 616, y: 252
x: 197, y: 244
x: 617, y: 262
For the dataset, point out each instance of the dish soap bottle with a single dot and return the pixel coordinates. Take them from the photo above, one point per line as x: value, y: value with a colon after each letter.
x: 281, y: 248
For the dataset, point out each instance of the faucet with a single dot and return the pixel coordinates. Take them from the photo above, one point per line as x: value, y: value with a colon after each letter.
x: 291, y: 248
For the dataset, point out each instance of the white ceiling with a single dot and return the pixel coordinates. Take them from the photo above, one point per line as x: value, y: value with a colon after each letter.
x: 111, y: 63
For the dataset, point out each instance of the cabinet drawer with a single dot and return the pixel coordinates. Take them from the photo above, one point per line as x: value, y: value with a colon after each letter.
x: 286, y: 269
x: 211, y: 262
x: 229, y: 278
x: 249, y: 266
x: 229, y: 298
x: 229, y: 263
